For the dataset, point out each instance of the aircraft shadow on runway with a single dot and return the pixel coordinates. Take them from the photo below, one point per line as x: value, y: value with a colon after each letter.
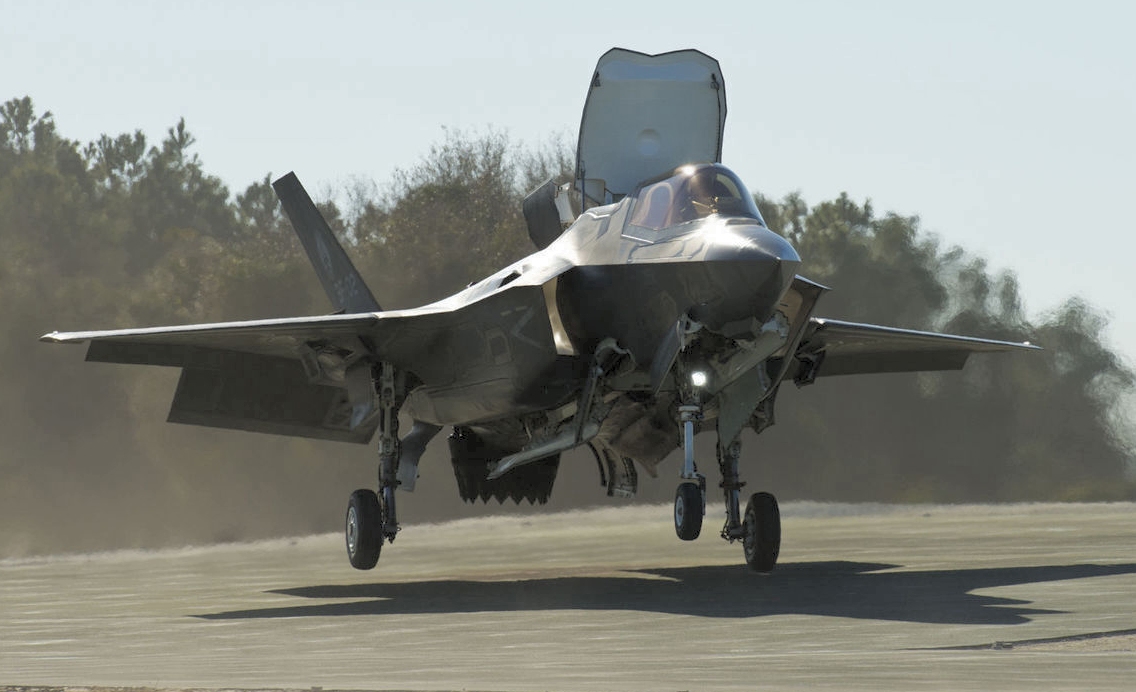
x: 836, y: 589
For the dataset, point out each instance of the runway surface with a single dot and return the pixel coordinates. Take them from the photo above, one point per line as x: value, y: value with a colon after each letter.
x: 866, y: 597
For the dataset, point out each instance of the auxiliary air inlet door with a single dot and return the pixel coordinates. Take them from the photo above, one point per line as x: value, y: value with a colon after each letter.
x: 646, y: 115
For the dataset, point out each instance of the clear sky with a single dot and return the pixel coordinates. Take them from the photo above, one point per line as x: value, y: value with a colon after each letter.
x: 1008, y: 127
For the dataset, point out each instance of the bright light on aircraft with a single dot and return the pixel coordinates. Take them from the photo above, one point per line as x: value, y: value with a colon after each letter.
x: 698, y: 378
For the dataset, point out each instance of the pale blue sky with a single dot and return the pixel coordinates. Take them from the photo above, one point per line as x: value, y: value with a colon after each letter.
x: 1008, y: 127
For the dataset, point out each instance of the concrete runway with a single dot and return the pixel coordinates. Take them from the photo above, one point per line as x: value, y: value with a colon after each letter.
x: 866, y: 597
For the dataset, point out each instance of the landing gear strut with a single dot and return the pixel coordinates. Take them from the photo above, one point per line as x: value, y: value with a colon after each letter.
x: 391, y: 396
x: 371, y: 517
x: 760, y: 531
x: 731, y: 485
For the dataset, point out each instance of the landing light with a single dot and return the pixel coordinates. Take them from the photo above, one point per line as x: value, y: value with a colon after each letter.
x: 698, y: 378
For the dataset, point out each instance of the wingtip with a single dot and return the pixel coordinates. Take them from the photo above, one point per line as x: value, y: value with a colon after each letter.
x: 59, y: 338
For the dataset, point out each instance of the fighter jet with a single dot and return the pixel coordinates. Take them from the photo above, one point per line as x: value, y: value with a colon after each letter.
x: 658, y: 305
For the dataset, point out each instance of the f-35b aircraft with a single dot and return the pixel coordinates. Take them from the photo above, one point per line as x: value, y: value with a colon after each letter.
x: 665, y: 307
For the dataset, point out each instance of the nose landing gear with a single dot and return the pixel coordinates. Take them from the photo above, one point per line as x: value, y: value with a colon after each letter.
x: 689, y: 510
x: 690, y: 498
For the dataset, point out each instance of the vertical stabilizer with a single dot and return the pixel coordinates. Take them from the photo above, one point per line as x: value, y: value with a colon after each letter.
x: 340, y: 279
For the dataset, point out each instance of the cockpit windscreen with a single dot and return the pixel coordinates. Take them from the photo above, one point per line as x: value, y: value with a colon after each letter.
x: 691, y: 193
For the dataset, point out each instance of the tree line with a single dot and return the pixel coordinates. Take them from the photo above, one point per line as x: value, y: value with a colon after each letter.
x: 123, y: 232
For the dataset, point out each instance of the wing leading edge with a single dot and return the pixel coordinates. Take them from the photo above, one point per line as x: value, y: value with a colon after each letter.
x: 836, y: 347
x: 175, y: 346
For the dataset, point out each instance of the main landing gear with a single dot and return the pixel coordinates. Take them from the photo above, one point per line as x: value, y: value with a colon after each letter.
x: 761, y: 535
x: 759, y: 531
x: 371, y: 517
x: 364, y: 529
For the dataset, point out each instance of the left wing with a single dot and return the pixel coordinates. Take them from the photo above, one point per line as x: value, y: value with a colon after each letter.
x: 835, y: 347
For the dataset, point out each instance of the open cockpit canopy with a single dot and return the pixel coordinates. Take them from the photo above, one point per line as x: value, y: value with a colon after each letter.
x: 689, y: 193
x: 646, y: 114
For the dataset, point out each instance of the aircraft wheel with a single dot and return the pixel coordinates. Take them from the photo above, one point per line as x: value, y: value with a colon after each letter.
x: 364, y: 530
x: 762, y: 539
x: 688, y: 511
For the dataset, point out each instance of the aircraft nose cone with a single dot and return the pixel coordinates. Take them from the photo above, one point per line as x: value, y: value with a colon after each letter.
x: 751, y: 243
x: 753, y: 266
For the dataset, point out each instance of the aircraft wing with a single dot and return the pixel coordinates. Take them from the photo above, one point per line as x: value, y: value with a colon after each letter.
x: 284, y: 376
x: 835, y: 347
x: 311, y: 376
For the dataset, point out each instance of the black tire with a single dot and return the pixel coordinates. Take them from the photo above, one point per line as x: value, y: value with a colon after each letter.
x: 688, y: 511
x: 762, y: 540
x: 364, y: 529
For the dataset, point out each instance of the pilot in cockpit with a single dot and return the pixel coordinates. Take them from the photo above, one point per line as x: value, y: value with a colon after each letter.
x: 691, y: 193
x: 706, y: 193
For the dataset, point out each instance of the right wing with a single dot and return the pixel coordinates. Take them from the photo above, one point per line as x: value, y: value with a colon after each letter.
x: 835, y: 347
x: 311, y: 376
x: 185, y: 346
x: 286, y: 376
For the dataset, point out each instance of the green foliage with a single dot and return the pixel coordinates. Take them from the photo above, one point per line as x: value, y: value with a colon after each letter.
x: 1009, y: 427
x: 453, y: 218
x: 122, y: 232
